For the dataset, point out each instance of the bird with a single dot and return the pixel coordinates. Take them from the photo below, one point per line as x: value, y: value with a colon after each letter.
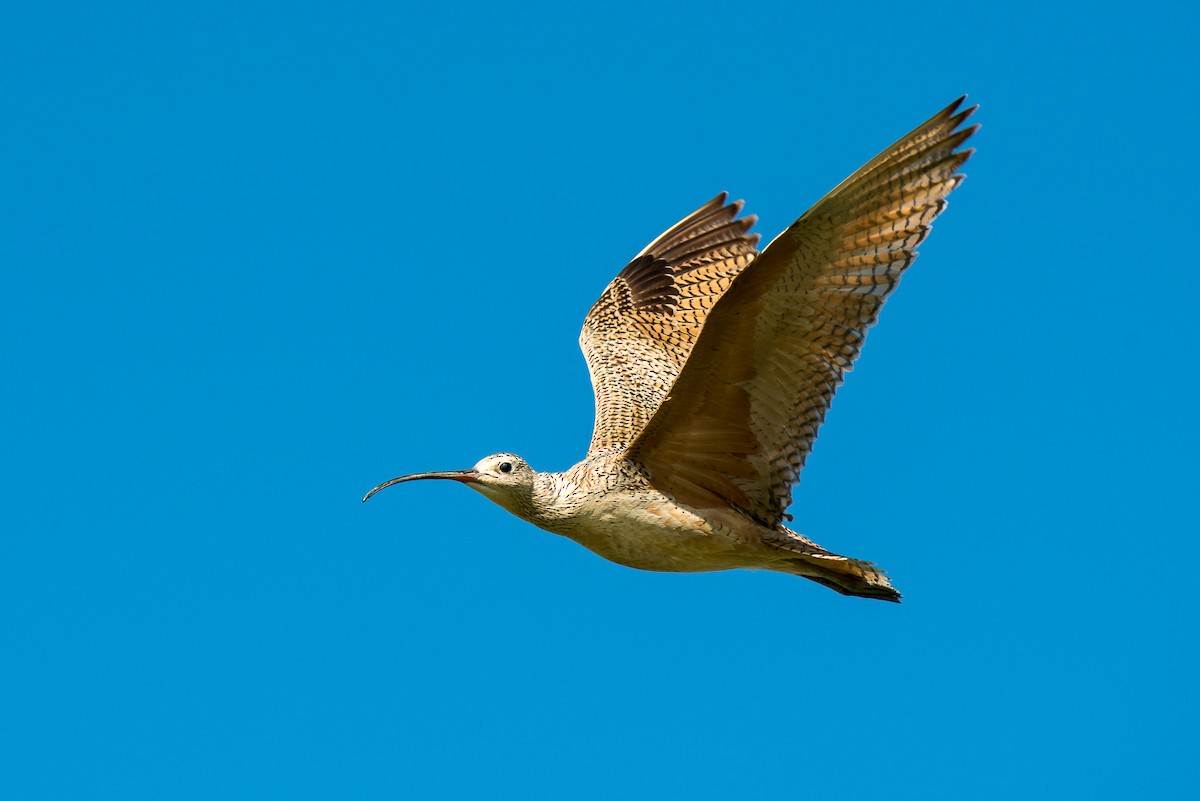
x: 713, y: 366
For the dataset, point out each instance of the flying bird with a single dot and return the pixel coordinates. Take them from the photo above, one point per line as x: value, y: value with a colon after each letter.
x: 713, y: 366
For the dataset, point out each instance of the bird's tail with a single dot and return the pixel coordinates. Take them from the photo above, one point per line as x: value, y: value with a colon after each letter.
x: 839, y: 573
x: 850, y: 577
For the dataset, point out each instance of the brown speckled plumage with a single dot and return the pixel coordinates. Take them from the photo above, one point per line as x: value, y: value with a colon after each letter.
x: 713, y: 367
x: 639, y: 333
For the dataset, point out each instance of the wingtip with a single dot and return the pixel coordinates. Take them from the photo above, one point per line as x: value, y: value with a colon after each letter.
x: 961, y: 117
x: 949, y: 110
x: 962, y: 156
x: 952, y: 112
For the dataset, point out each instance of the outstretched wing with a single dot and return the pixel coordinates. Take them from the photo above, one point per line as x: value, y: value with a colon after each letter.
x: 744, y: 412
x: 639, y: 333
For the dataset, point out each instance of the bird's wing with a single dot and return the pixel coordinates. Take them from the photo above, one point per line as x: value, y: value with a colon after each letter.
x: 744, y: 412
x: 639, y: 333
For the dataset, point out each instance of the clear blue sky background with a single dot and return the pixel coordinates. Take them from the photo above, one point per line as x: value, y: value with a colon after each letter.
x: 257, y: 258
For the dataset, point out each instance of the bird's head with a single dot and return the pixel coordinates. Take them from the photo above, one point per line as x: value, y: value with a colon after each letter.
x: 503, y: 478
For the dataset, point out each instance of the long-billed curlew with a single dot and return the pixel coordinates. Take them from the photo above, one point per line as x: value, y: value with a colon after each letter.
x: 713, y: 366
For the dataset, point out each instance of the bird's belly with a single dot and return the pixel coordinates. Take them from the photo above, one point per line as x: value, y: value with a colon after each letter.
x: 659, y: 535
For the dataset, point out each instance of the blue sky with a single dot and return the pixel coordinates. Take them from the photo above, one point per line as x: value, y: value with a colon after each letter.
x: 259, y: 258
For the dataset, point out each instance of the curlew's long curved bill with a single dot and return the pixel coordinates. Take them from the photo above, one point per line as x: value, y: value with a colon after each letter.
x: 465, y: 476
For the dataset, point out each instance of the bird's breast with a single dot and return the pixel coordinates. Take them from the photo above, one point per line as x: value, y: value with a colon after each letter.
x: 646, y: 530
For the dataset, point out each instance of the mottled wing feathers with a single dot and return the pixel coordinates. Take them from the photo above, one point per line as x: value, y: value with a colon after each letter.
x: 639, y: 333
x: 744, y: 412
x: 650, y: 284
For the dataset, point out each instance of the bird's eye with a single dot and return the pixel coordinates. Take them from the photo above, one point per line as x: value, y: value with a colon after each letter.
x: 506, y: 467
